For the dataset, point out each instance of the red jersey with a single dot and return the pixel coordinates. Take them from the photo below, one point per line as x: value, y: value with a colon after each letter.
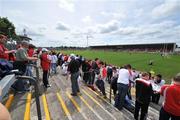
x: 171, y: 95
x: 45, y: 62
x: 65, y: 58
x: 104, y: 72
x: 3, y: 55
x: 12, y: 58
x: 30, y: 52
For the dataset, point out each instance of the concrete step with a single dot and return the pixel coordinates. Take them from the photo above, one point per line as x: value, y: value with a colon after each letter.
x: 57, y: 104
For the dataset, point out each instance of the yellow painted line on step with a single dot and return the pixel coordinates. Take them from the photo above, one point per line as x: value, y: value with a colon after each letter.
x: 133, y: 91
x: 46, y: 110
x: 28, y: 107
x: 90, y: 108
x: 9, y: 101
x: 76, y: 105
x: 66, y: 111
x: 99, y: 104
x: 107, y: 88
x: 74, y: 102
x: 108, y: 94
x: 108, y: 103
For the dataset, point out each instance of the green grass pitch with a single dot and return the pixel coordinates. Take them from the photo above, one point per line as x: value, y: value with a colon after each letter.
x: 167, y: 66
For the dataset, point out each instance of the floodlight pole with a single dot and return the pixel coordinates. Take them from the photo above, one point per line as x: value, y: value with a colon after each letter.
x: 87, y: 37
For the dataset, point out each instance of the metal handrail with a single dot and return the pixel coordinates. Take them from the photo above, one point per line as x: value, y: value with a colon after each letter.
x: 35, y: 82
x: 37, y: 70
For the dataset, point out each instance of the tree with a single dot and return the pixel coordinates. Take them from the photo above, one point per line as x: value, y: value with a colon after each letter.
x: 7, y: 28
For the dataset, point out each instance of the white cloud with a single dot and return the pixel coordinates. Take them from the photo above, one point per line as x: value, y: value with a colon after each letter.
x: 120, y: 22
x: 62, y: 26
x: 139, y: 13
x: 126, y: 31
x: 16, y: 13
x: 166, y: 31
x: 108, y: 27
x: 31, y: 30
x: 114, y: 15
x: 87, y: 19
x: 147, y: 29
x: 169, y: 7
x: 67, y: 5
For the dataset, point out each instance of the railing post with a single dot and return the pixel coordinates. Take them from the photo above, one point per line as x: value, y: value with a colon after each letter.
x: 37, y: 100
x: 37, y: 93
x: 110, y: 93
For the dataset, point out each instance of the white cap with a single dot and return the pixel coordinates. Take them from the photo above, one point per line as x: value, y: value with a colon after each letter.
x: 44, y: 50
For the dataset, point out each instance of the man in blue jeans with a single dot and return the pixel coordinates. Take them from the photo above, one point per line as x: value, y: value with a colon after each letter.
x: 122, y: 86
x: 73, y: 69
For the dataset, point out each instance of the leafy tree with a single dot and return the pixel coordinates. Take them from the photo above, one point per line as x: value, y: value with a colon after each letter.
x: 7, y: 28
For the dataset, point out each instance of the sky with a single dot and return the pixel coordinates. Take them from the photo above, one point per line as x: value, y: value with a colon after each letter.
x: 94, y: 22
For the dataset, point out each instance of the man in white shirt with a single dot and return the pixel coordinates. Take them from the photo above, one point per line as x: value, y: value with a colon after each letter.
x: 54, y: 60
x: 157, y: 84
x: 122, y: 86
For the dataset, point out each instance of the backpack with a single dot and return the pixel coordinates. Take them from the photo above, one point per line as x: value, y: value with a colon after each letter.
x: 5, y: 65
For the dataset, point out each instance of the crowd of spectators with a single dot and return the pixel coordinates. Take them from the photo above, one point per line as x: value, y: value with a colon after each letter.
x: 95, y: 74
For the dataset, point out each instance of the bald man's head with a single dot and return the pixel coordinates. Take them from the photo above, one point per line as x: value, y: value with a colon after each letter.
x: 4, y: 113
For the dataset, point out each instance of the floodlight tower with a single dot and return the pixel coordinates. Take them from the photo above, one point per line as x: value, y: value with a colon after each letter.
x: 87, y: 38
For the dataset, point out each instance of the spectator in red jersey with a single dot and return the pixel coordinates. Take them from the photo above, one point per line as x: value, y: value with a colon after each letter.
x: 3, y: 50
x: 171, y: 105
x: 30, y: 53
x: 45, y: 64
x: 31, y: 50
x: 104, y: 72
x: 143, y: 96
x: 12, y: 57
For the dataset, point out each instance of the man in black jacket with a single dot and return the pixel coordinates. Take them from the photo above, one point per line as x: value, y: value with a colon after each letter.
x: 73, y: 68
x: 95, y: 70
x: 143, y: 96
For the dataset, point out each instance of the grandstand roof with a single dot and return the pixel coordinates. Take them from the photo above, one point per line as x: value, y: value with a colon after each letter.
x: 135, y: 44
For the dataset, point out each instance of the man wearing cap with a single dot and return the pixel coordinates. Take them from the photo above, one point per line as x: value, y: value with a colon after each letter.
x: 22, y: 56
x: 22, y: 59
x: 4, y: 51
x: 45, y: 64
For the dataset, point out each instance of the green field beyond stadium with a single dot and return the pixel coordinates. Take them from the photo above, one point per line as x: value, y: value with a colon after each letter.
x: 167, y: 66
